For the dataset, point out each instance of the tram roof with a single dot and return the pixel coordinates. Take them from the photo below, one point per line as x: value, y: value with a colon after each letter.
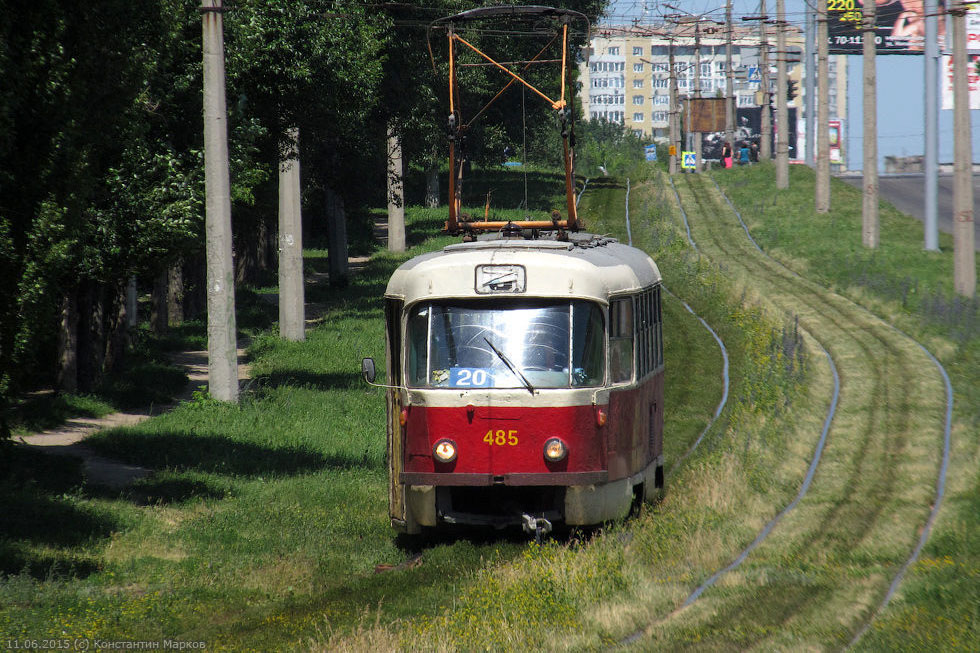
x: 586, y: 266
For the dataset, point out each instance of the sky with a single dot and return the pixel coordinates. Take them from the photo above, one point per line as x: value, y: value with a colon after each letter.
x: 901, y: 82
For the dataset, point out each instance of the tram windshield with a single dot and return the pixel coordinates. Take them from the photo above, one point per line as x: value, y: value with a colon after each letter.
x: 506, y: 344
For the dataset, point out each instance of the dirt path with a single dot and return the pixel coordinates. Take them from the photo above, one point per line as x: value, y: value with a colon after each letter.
x: 67, y: 440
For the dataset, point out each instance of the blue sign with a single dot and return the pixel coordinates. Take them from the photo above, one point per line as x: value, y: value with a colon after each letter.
x: 651, y: 152
x: 470, y: 377
x: 755, y: 75
x: 689, y: 160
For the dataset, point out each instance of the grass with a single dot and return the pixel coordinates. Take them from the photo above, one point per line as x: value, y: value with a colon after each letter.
x: 938, y: 606
x: 264, y: 523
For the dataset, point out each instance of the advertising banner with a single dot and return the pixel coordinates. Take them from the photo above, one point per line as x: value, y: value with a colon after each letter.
x: 972, y: 77
x: 899, y: 26
x: 836, y: 139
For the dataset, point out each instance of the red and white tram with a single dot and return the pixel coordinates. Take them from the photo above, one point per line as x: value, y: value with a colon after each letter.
x: 525, y: 383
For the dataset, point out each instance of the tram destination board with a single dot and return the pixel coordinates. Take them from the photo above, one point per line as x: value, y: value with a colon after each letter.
x: 899, y: 27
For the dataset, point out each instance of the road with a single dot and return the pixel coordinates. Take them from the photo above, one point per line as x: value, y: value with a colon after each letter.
x: 907, y: 191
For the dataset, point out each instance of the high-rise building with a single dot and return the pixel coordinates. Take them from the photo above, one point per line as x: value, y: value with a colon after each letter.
x: 626, y: 75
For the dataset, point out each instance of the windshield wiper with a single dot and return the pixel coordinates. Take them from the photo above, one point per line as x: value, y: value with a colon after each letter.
x: 513, y: 368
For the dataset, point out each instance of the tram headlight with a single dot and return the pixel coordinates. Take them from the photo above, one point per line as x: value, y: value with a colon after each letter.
x: 444, y: 451
x: 555, y: 450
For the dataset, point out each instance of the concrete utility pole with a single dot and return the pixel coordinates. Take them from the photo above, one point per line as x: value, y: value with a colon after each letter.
x: 729, y: 80
x: 675, y: 111
x: 697, y: 90
x: 964, y: 253
x: 931, y: 127
x: 782, y: 111
x: 809, y: 88
x: 869, y: 212
x: 821, y: 196
x: 292, y: 318
x: 765, y: 128
x: 222, y: 346
x: 396, y: 193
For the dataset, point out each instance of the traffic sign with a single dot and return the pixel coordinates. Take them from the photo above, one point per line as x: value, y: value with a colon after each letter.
x: 689, y: 160
x: 651, y: 152
x: 755, y: 75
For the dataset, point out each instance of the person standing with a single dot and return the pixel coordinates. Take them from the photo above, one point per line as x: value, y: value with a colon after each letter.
x: 726, y: 154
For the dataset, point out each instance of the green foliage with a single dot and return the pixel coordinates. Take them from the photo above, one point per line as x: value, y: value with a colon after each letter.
x: 609, y: 145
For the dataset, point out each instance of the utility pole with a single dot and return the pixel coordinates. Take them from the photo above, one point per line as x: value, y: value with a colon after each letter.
x: 931, y: 167
x: 869, y: 212
x: 809, y: 88
x: 964, y: 254
x: 674, y: 126
x: 292, y: 317
x: 697, y: 89
x: 396, y: 191
x: 782, y: 113
x: 765, y: 129
x: 222, y: 346
x: 821, y: 197
x: 729, y: 80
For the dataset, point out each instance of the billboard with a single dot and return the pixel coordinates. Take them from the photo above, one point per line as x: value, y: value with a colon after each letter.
x: 748, y: 130
x: 973, y: 80
x: 705, y: 114
x: 899, y: 26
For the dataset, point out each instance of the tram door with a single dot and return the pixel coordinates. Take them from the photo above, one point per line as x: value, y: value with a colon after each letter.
x: 396, y: 491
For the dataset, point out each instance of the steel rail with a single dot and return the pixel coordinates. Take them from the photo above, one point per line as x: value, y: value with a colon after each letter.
x: 947, y: 444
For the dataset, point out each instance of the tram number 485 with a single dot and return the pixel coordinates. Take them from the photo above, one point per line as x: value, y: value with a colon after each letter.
x: 501, y: 438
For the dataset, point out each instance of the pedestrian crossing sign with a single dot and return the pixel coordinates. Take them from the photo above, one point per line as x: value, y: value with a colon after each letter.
x: 689, y: 160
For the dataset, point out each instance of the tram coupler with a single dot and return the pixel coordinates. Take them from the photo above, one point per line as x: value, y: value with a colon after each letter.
x: 537, y: 526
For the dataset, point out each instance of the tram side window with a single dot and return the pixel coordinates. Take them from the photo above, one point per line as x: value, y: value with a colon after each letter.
x: 621, y: 340
x: 659, y: 319
x: 648, y: 336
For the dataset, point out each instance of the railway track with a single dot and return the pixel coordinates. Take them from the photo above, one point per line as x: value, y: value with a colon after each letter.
x: 816, y: 578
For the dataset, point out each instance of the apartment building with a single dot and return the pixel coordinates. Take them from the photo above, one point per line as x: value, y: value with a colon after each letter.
x: 626, y: 75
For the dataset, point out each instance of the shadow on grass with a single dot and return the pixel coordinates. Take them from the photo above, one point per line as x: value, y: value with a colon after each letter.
x: 216, y: 455
x: 169, y: 490
x: 40, y: 521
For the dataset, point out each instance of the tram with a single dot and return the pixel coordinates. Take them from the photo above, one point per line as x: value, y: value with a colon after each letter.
x: 525, y: 383
x: 525, y: 370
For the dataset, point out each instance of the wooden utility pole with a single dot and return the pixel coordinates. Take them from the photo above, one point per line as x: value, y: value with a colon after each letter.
x: 765, y: 128
x: 964, y: 254
x: 869, y: 212
x: 222, y: 345
x: 396, y: 192
x: 729, y: 80
x: 292, y: 318
x: 822, y: 186
x: 782, y: 112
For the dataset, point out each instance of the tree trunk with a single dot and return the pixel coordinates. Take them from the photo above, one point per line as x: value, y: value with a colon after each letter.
x: 195, y: 297
x: 158, y: 303
x: 67, y: 378
x: 175, y: 295
x: 118, y: 339
x: 396, y: 192
x: 337, y: 254
x: 91, y: 337
x: 432, y: 186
